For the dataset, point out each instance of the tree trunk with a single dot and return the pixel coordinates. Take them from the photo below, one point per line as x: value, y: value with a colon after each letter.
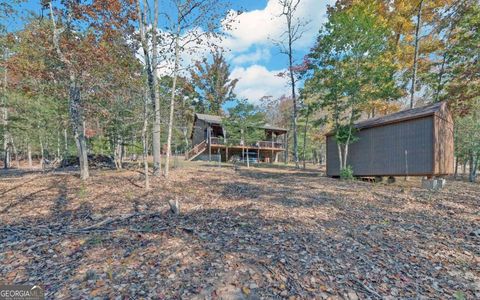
x: 172, y: 99
x: 473, y: 168
x: 59, y: 156
x: 29, y: 155
x: 152, y: 80
x: 78, y: 128
x: 456, y: 168
x: 15, y: 153
x: 42, y: 151
x: 345, y: 157
x: 74, y: 104
x: 145, y: 141
x: 294, y: 99
x: 185, y: 137
x: 157, y: 146
x: 305, y: 141
x: 6, y: 158
x: 340, y: 157
x: 65, y: 136
x: 415, y: 56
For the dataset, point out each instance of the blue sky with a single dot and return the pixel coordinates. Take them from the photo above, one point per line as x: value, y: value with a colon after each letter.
x: 253, y: 57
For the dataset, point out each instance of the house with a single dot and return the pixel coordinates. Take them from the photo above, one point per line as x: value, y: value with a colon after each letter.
x: 413, y: 142
x: 208, y: 141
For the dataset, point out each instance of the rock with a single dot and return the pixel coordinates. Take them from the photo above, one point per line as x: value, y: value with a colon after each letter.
x: 433, y: 184
x: 174, y: 206
x: 475, y: 233
x: 352, y: 295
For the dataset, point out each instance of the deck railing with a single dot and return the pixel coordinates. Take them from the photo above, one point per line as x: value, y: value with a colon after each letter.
x: 253, y: 144
x: 196, y: 150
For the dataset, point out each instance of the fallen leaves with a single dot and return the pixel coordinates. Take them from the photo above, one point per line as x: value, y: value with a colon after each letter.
x: 258, y: 233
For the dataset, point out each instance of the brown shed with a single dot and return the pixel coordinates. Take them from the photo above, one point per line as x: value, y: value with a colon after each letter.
x: 413, y: 142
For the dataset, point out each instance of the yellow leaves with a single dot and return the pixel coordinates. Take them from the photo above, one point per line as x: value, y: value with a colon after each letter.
x: 246, y: 290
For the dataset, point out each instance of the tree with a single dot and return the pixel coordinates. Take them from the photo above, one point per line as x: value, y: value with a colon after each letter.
x: 294, y: 30
x: 184, y: 110
x: 194, y: 23
x: 213, y: 82
x: 149, y: 36
x: 351, y: 66
x: 79, y: 47
x: 468, y: 140
x: 418, y: 26
x: 461, y: 78
x: 243, y: 126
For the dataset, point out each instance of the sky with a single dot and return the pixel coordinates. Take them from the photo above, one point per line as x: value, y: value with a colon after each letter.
x: 253, y: 57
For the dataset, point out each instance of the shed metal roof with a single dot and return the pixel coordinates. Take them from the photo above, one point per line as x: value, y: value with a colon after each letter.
x: 412, y: 113
x: 404, y: 115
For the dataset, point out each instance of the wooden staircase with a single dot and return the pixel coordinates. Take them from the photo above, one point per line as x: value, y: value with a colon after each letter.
x: 196, y: 151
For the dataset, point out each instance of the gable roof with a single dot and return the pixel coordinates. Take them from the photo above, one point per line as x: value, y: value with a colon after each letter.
x: 404, y: 115
x: 209, y: 118
x: 217, y: 120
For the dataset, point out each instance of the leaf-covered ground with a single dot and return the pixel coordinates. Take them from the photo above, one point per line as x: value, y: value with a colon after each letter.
x: 247, y: 234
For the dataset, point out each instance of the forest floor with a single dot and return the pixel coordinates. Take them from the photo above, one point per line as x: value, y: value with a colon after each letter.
x: 246, y: 234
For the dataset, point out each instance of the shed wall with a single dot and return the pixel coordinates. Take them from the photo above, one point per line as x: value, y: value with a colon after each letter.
x: 380, y: 151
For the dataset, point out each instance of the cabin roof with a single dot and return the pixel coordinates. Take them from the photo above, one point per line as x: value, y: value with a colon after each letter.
x: 209, y: 118
x: 217, y: 120
x: 401, y: 116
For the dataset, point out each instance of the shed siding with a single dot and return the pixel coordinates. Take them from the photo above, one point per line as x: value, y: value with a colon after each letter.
x: 380, y: 151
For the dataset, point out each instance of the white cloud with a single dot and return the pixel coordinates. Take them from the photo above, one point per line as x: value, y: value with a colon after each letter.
x: 191, y: 52
x: 256, y: 81
x: 263, y: 26
x: 252, y: 57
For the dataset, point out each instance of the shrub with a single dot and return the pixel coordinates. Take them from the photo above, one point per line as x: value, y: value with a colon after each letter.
x: 346, y: 173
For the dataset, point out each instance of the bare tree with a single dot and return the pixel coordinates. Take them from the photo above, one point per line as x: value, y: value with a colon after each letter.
x: 145, y: 139
x: 295, y: 28
x: 75, y: 101
x: 151, y: 65
x: 415, y: 55
x: 196, y: 23
x: 6, y: 148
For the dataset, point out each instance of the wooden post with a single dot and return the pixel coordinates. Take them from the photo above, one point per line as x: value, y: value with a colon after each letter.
x: 271, y: 159
x: 226, y: 143
x: 209, y: 135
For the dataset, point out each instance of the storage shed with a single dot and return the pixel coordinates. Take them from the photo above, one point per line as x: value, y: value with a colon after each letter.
x: 413, y: 142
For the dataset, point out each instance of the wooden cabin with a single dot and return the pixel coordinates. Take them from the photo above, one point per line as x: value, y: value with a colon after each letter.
x: 208, y: 138
x: 413, y: 142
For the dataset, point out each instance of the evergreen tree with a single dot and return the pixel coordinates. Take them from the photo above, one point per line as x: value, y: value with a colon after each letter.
x: 213, y: 83
x: 243, y: 126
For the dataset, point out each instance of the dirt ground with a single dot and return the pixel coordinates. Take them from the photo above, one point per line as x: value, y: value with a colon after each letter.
x: 257, y: 233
